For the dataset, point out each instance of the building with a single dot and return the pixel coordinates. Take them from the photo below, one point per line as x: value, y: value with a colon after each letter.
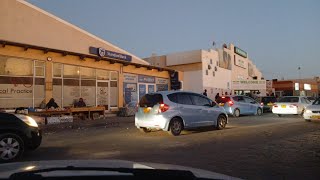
x: 226, y: 70
x: 43, y: 56
x: 297, y: 87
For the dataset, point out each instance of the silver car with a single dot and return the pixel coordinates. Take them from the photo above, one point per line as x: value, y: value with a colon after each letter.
x: 174, y: 111
x: 312, y: 112
x: 237, y: 105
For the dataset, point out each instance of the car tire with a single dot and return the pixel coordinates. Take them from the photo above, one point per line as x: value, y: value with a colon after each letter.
x: 221, y: 122
x: 11, y: 147
x: 259, y: 112
x: 236, y: 113
x: 279, y: 115
x: 176, y: 127
x: 145, y: 130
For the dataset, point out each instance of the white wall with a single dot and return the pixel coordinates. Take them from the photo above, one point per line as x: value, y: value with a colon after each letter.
x: 192, y: 81
x: 184, y: 58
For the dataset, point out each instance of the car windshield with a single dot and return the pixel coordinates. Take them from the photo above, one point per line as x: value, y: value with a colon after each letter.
x: 149, y: 100
x: 289, y: 99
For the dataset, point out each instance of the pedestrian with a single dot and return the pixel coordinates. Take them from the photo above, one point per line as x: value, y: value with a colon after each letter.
x: 217, y: 96
x: 226, y: 93
x: 80, y: 103
x: 52, y: 104
x: 205, y: 93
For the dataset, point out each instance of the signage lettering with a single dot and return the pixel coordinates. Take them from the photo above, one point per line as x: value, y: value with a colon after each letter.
x: 240, y: 52
x: 110, y: 54
x: 14, y: 91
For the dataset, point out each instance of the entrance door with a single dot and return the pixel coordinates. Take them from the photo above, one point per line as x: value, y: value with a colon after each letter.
x: 103, y: 93
x: 145, y: 89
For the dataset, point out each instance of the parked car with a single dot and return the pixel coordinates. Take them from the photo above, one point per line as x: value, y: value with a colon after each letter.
x: 311, y: 99
x: 267, y: 102
x: 290, y: 105
x: 17, y: 133
x: 237, y: 105
x: 174, y: 111
x: 312, y: 112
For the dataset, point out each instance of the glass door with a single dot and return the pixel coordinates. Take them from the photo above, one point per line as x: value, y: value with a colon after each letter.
x: 145, y: 89
x: 103, y: 94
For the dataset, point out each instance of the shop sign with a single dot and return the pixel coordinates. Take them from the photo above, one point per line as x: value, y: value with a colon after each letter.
x: 240, y: 62
x: 130, y: 78
x: 162, y: 81
x: 240, y: 52
x: 15, y: 91
x: 146, y: 79
x: 110, y: 54
x: 249, y: 85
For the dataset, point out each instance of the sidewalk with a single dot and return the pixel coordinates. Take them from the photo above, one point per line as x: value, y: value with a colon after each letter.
x: 107, y: 122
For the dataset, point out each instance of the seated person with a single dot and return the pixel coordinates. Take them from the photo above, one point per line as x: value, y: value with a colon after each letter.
x: 51, y: 104
x: 80, y: 103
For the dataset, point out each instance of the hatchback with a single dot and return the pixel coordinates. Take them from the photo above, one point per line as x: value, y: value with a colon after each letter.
x: 17, y: 134
x: 240, y: 105
x: 174, y: 111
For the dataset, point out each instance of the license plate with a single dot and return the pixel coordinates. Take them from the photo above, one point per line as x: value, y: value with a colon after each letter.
x: 146, y: 110
x: 270, y: 104
x: 315, y: 117
x: 221, y: 104
x: 283, y: 106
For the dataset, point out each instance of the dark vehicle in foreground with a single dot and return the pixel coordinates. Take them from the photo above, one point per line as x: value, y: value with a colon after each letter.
x: 102, y: 169
x: 267, y: 102
x: 18, y: 133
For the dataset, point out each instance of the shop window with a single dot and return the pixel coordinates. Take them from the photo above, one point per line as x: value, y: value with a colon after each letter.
x: 88, y: 92
x: 87, y: 73
x: 57, y: 91
x: 39, y: 68
x: 57, y: 70
x: 114, y: 75
x: 113, y: 93
x: 103, y: 74
x: 15, y: 66
x: 71, y: 71
x: 71, y: 91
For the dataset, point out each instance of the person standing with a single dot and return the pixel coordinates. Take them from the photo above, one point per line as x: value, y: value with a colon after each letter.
x: 205, y: 93
x: 217, y: 96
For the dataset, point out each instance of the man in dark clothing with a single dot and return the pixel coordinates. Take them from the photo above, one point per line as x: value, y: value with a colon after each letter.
x: 205, y: 93
x: 217, y: 96
x: 80, y: 103
x: 51, y: 104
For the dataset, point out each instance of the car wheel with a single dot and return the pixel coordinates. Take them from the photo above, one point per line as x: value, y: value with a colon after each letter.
x: 176, y: 126
x: 236, y: 113
x: 145, y: 130
x: 221, y: 122
x: 259, y: 111
x: 279, y: 115
x: 11, y: 147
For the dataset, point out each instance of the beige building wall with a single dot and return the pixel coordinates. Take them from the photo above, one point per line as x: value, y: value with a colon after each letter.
x: 24, y: 23
x: 188, y: 57
x: 159, y: 61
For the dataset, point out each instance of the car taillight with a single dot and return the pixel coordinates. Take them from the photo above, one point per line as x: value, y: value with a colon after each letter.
x: 163, y: 108
x: 231, y: 103
x: 275, y: 105
x: 262, y: 104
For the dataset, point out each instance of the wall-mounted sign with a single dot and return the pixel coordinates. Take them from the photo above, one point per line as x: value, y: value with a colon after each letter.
x: 307, y: 86
x: 240, y: 62
x: 130, y: 78
x: 249, y: 85
x: 240, y: 52
x: 162, y: 81
x: 146, y: 79
x: 110, y: 54
x: 296, y: 86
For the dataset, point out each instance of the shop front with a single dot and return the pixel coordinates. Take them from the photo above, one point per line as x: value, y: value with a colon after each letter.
x: 244, y: 87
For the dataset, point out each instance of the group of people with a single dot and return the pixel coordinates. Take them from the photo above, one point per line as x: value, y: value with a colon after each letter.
x: 217, y: 95
x: 53, y: 105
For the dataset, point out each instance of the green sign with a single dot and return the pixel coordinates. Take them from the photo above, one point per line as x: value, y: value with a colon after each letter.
x: 240, y: 52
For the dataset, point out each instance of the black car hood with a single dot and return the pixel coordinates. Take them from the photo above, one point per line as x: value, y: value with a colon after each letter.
x: 9, y: 168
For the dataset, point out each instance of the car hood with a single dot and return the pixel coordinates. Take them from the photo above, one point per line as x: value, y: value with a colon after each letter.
x: 9, y: 168
x: 314, y: 107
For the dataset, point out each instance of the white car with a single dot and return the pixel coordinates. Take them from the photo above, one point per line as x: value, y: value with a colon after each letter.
x: 312, y: 112
x: 290, y: 105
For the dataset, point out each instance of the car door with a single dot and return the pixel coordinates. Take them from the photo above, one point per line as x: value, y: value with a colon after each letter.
x: 203, y: 106
x: 242, y: 105
x: 187, y: 110
x: 251, y: 104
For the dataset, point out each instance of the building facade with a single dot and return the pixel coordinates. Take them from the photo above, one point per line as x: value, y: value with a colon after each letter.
x: 43, y: 57
x: 297, y: 87
x: 225, y: 71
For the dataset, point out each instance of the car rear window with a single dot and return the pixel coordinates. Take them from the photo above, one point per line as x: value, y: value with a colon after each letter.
x: 223, y: 99
x: 289, y: 99
x: 149, y: 100
x: 269, y: 99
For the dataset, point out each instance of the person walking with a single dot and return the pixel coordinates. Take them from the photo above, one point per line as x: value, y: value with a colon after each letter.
x: 205, y: 93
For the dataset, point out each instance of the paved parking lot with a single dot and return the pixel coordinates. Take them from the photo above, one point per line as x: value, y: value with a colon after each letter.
x: 251, y: 147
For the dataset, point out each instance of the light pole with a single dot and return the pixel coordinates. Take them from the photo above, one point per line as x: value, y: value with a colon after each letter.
x: 299, y: 71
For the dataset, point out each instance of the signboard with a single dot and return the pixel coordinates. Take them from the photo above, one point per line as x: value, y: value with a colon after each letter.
x: 240, y: 52
x: 162, y: 81
x: 307, y: 86
x: 130, y: 78
x: 110, y: 54
x: 296, y: 86
x: 146, y: 79
x: 130, y: 92
x: 249, y: 85
x: 240, y: 62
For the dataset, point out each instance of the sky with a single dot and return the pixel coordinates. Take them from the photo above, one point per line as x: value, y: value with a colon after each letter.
x: 278, y: 35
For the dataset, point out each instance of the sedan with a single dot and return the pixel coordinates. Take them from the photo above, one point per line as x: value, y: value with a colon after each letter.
x: 17, y: 133
x: 312, y: 112
x: 290, y: 105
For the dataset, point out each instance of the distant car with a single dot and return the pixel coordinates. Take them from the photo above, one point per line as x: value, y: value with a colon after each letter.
x: 290, y: 105
x: 267, y: 102
x: 312, y: 112
x: 17, y: 133
x: 237, y: 105
x: 174, y: 111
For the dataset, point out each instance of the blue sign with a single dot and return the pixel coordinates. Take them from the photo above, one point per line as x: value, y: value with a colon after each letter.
x: 110, y: 54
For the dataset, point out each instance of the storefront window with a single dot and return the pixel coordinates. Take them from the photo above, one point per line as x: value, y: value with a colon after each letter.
x: 39, y: 68
x: 87, y: 73
x: 103, y: 74
x: 57, y: 91
x: 88, y: 92
x: 57, y: 70
x: 71, y: 71
x: 114, y: 75
x: 15, y: 66
x: 113, y: 93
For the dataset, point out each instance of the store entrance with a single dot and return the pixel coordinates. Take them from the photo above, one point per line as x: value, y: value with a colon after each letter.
x: 145, y: 88
x: 103, y: 94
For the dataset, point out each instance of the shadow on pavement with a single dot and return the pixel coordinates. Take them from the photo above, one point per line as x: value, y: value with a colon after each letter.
x: 47, y: 153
